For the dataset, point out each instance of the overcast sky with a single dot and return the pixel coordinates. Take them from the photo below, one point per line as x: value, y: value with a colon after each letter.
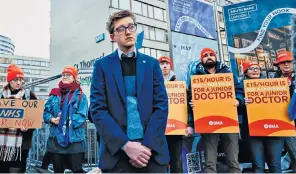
x: 27, y: 24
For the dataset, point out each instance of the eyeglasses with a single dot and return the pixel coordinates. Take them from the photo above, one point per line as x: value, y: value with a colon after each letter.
x: 122, y: 29
x: 18, y: 80
x: 66, y: 75
x: 207, y: 55
x: 254, y: 68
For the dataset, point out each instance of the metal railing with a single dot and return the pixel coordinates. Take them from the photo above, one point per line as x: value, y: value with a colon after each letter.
x: 40, y: 137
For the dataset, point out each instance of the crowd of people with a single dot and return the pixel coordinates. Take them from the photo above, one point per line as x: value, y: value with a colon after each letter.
x: 129, y: 107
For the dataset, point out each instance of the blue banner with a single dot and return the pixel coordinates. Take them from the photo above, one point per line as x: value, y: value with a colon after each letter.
x: 257, y: 31
x: 192, y: 17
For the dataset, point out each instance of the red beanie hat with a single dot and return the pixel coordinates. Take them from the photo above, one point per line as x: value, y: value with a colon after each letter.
x: 283, y: 56
x: 14, y: 72
x: 207, y: 50
x: 71, y: 70
x: 247, y: 64
x: 166, y: 59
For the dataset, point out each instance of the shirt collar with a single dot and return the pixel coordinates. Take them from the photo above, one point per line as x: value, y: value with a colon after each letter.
x: 129, y: 54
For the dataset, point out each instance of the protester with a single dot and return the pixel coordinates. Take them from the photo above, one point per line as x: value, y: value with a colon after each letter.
x: 15, y: 143
x: 285, y: 69
x: 129, y: 104
x: 66, y: 112
x: 229, y: 141
x: 263, y: 149
x: 174, y: 141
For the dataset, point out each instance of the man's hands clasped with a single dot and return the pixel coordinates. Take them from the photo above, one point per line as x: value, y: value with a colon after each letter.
x: 139, y: 155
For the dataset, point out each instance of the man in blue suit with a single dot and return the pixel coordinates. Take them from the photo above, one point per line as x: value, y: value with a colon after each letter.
x: 129, y: 104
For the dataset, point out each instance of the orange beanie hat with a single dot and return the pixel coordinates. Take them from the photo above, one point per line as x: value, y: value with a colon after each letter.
x: 14, y: 72
x: 247, y: 64
x: 207, y: 50
x: 166, y: 59
x: 71, y: 70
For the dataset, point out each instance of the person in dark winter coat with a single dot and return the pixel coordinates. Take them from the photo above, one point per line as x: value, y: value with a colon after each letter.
x: 14, y: 151
x: 285, y: 66
x: 210, y: 65
x: 263, y: 149
x: 174, y: 141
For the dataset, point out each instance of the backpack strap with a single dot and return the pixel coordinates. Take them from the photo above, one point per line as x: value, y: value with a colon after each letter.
x: 27, y: 94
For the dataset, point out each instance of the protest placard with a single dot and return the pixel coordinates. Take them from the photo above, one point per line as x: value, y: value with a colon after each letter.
x: 177, y: 119
x: 18, y: 113
x: 268, y: 107
x: 214, y: 103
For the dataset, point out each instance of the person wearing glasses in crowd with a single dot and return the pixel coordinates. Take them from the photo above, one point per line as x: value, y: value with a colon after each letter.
x: 66, y: 112
x: 263, y: 149
x: 285, y: 69
x: 229, y: 141
x: 129, y: 104
x: 15, y: 143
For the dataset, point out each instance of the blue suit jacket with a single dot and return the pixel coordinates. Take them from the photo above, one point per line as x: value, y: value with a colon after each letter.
x: 108, y: 107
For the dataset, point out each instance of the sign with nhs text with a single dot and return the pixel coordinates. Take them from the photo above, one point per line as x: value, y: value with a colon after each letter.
x: 21, y: 113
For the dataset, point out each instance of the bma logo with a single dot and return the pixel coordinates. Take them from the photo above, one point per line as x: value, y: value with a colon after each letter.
x: 185, y: 47
x: 271, y: 126
x: 215, y: 123
x: 171, y: 125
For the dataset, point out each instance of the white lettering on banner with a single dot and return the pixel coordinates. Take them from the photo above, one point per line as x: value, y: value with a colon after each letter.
x: 214, y: 123
x: 271, y: 126
x: 171, y: 125
x: 263, y: 30
x: 189, y: 19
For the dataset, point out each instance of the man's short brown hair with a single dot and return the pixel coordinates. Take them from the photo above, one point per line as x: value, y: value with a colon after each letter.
x: 117, y: 16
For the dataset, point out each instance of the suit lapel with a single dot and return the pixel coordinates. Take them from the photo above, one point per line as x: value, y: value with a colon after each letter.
x: 141, y: 65
x: 115, y: 67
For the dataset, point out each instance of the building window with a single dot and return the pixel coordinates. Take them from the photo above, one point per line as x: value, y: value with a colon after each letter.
x: 137, y: 7
x: 43, y: 90
x: 4, y: 60
x: 153, y: 53
x: 144, y: 9
x: 3, y: 70
x: 114, y: 3
x: 160, y: 53
x: 150, y: 12
x: 19, y: 62
x: 2, y: 79
x: 158, y: 13
x: 124, y: 4
x: 26, y: 62
x: 27, y: 71
x: 44, y: 72
x: 146, y: 32
x: 139, y: 28
x: 152, y: 33
x: 160, y: 35
x: 43, y: 64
